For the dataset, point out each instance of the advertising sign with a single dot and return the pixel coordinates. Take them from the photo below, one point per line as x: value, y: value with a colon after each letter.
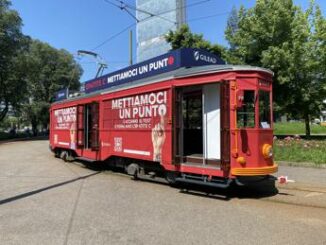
x: 164, y: 63
x: 65, y: 119
x: 142, y: 113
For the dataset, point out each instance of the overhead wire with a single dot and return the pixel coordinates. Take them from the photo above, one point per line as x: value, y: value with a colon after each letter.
x: 122, y: 6
x: 185, y: 6
x: 127, y: 28
x: 150, y: 14
x: 94, y: 63
x: 164, y: 12
x: 208, y: 16
x: 149, y: 17
x: 113, y: 37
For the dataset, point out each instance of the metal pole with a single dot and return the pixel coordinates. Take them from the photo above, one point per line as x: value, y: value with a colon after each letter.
x: 130, y: 47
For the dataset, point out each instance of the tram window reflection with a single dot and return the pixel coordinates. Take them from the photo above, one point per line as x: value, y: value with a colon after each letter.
x: 264, y: 109
x: 246, y: 114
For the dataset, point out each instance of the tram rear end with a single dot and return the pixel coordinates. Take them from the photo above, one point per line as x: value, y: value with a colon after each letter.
x: 251, y: 128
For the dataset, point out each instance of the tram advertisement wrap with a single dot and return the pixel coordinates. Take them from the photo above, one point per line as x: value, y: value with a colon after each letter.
x: 65, y: 119
x: 143, y: 112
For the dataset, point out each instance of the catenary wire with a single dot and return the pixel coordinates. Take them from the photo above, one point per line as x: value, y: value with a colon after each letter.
x: 132, y: 25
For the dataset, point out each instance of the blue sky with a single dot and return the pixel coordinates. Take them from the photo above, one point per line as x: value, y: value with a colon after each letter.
x: 84, y: 24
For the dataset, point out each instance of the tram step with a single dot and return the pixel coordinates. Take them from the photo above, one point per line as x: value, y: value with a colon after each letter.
x: 85, y: 159
x: 200, y: 165
x: 201, y: 181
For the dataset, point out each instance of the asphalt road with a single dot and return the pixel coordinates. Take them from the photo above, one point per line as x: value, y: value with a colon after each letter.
x: 46, y: 201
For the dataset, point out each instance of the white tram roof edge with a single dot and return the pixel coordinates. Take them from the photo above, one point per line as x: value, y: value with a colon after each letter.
x: 178, y: 73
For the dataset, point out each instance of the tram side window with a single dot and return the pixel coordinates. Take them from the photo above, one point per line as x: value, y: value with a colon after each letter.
x: 246, y: 114
x: 264, y: 109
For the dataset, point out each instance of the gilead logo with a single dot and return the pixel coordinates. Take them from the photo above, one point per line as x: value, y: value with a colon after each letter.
x: 205, y: 58
x: 196, y: 55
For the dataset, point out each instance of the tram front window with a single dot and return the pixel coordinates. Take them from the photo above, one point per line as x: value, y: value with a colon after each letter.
x: 264, y: 109
x: 246, y: 114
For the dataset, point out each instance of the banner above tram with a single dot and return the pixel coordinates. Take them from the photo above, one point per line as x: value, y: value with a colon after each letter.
x: 170, y: 61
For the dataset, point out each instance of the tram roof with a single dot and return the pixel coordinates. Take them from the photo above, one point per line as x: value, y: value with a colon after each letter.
x: 178, y: 73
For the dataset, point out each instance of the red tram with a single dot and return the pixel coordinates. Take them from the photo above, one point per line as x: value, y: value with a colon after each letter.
x: 207, y: 124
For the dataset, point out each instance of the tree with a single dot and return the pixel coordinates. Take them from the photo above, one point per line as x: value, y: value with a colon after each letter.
x: 278, y: 35
x: 12, y: 43
x: 232, y: 25
x: 48, y: 70
x: 31, y: 71
x: 184, y: 38
x: 304, y: 74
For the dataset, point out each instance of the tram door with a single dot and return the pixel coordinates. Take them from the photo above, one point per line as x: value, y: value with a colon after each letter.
x: 198, y: 126
x: 211, y: 122
x: 88, y: 126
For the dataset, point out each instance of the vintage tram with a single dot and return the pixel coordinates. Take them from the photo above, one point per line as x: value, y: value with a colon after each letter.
x: 185, y: 115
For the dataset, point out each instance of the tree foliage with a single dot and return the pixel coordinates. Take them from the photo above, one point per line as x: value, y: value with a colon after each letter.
x: 31, y: 71
x: 281, y: 36
x: 12, y: 43
x: 184, y: 38
x: 232, y: 25
x: 48, y: 70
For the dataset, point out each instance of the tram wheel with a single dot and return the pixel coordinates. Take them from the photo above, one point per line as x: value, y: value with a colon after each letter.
x: 57, y: 154
x: 171, y: 177
x: 64, y: 155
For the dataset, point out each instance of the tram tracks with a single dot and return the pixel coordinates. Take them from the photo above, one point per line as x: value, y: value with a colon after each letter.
x: 298, y: 194
x: 312, y: 197
x: 303, y: 189
x: 307, y: 205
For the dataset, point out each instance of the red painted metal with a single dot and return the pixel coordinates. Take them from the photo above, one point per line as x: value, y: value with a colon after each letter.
x: 139, y: 123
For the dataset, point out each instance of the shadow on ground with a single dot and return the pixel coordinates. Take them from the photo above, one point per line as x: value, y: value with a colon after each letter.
x: 257, y: 190
x: 46, y: 188
x: 252, y: 190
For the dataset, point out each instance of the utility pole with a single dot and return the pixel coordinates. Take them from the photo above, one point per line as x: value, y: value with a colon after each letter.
x: 130, y: 47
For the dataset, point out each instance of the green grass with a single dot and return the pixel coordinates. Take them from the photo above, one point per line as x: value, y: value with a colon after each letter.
x: 291, y: 128
x: 312, y: 151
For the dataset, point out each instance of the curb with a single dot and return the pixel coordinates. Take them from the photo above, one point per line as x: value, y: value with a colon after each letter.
x: 24, y: 139
x: 302, y: 164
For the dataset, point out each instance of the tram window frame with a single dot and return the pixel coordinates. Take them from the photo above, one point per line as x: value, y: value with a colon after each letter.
x: 246, y: 114
x: 265, y: 115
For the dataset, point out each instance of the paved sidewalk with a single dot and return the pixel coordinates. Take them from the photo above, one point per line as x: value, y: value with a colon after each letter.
x: 44, y: 200
x: 304, y: 176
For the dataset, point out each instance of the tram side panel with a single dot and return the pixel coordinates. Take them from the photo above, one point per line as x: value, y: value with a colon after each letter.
x: 63, y: 128
x: 138, y: 126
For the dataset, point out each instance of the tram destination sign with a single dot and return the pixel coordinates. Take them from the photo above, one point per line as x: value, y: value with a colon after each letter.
x: 173, y: 60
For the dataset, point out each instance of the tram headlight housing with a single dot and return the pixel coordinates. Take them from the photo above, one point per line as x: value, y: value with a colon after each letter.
x: 267, y: 151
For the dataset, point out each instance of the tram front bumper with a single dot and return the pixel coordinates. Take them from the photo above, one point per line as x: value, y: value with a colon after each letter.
x: 254, y: 171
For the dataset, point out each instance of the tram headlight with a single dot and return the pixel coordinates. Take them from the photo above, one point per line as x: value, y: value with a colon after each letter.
x: 267, y: 151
